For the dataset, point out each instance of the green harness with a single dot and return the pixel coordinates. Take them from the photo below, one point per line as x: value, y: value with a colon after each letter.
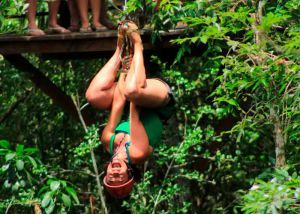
x: 152, y: 125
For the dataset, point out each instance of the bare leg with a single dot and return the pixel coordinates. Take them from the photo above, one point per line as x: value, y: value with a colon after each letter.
x: 83, y: 12
x: 74, y: 13
x: 101, y: 90
x: 31, y: 14
x: 150, y: 93
x: 54, y: 27
x: 95, y: 5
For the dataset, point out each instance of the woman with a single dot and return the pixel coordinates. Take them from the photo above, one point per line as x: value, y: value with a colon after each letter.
x: 130, y: 141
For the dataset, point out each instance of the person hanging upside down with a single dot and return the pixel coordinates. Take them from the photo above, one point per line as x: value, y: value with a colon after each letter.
x: 129, y: 137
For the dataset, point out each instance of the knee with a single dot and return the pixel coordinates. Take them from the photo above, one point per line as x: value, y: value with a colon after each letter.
x: 93, y: 97
x: 98, y: 99
x: 132, y: 94
x: 90, y: 96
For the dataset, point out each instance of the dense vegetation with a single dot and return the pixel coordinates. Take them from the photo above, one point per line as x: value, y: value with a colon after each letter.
x: 233, y: 146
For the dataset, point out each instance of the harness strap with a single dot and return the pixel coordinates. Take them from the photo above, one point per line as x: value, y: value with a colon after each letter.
x: 127, y: 144
x: 111, y: 148
x: 111, y: 144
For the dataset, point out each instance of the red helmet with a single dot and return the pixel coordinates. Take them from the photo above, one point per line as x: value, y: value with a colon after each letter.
x: 119, y: 191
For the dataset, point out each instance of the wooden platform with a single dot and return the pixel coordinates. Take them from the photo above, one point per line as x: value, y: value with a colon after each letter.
x: 78, y: 42
x: 74, y: 45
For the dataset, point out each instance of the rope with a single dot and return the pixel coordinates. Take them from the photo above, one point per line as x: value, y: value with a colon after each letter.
x: 126, y: 50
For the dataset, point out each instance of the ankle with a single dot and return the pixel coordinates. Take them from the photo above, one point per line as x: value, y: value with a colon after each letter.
x: 53, y: 24
x: 85, y: 24
x: 32, y: 26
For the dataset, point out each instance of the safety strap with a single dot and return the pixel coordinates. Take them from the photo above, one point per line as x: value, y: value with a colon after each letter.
x: 127, y: 144
x: 111, y: 144
x: 111, y: 147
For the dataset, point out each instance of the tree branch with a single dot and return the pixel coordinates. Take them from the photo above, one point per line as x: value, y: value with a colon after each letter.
x: 100, y: 190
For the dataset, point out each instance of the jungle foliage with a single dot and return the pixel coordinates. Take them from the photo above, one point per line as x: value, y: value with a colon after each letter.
x: 232, y: 147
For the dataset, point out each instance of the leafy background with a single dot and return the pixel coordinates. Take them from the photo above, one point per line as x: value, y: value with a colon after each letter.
x: 232, y: 147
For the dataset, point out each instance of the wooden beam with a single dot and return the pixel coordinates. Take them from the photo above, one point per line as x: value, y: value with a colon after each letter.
x: 78, y: 42
x: 47, y: 86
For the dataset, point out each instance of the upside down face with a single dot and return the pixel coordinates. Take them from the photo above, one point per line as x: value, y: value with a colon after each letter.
x: 117, y: 172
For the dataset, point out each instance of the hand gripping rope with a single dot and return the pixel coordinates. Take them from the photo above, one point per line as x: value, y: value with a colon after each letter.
x: 127, y: 46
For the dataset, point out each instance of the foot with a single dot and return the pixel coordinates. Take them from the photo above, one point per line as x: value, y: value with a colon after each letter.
x: 35, y: 32
x: 121, y: 35
x: 58, y: 29
x: 74, y: 28
x: 132, y: 31
x: 100, y: 28
x: 85, y: 30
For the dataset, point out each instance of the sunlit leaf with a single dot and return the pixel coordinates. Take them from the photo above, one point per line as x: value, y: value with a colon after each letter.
x: 20, y: 165
x: 46, y: 200
x: 10, y: 156
x: 54, y: 185
x: 66, y: 200
x: 4, y: 144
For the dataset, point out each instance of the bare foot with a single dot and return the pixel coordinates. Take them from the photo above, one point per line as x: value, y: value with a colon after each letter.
x: 35, y: 32
x: 132, y: 31
x: 74, y: 28
x: 121, y: 37
x: 58, y: 29
x: 99, y: 28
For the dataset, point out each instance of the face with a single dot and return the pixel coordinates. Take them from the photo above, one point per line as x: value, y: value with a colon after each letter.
x: 117, y: 172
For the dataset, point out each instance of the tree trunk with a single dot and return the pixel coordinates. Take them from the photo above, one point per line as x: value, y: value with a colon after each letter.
x: 278, y: 136
x: 279, y: 140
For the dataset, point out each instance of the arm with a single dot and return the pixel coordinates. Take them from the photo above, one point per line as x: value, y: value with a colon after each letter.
x: 115, y: 114
x: 140, y: 149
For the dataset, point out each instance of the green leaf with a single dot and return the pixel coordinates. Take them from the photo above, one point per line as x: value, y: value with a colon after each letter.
x: 282, y: 88
x: 66, y: 199
x: 64, y: 183
x: 46, y: 200
x: 230, y: 101
x: 42, y: 189
x: 20, y: 149
x: 265, y: 82
x: 20, y: 165
x: 9, y: 156
x: 16, y: 186
x: 203, y: 39
x: 50, y: 208
x: 7, y: 184
x: 5, y: 167
x: 72, y: 192
x: 3, y: 151
x: 54, y: 185
x: 30, y: 151
x: 33, y: 162
x: 4, y: 144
